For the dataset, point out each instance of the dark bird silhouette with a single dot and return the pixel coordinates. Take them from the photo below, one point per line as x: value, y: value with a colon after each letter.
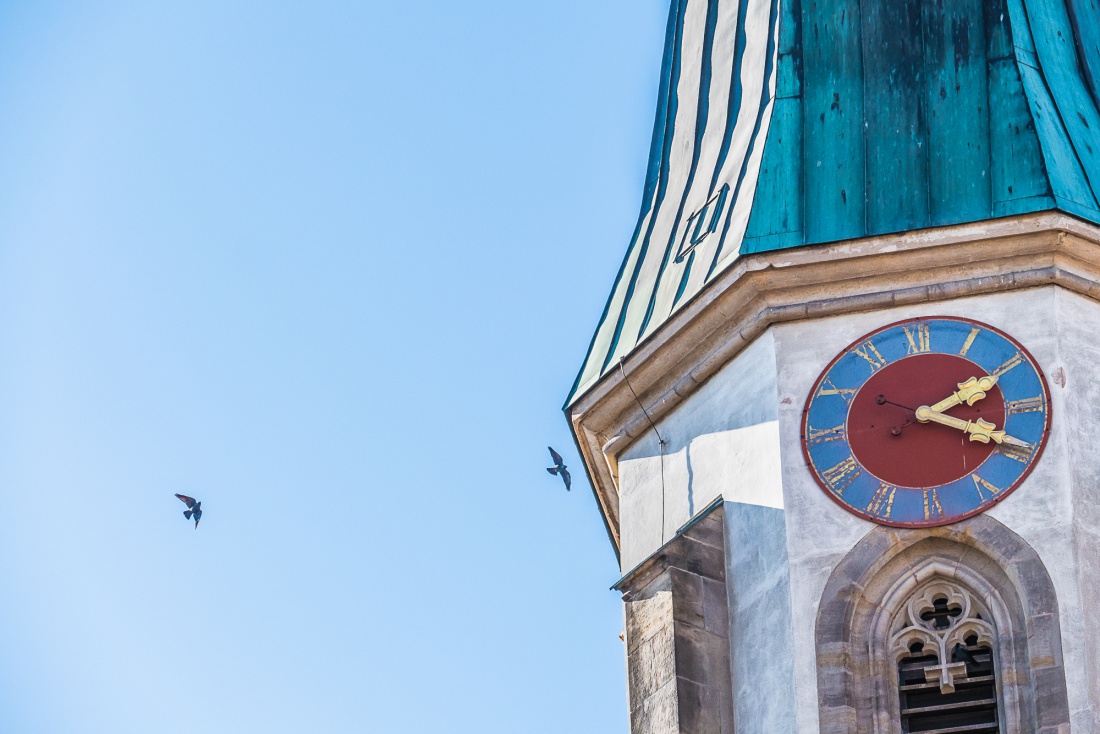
x: 559, y: 467
x: 961, y: 655
x: 194, y: 509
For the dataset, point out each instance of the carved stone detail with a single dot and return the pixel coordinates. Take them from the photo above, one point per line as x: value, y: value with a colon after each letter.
x: 917, y: 626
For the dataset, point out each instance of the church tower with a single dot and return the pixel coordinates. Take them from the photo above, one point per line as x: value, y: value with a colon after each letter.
x: 842, y: 409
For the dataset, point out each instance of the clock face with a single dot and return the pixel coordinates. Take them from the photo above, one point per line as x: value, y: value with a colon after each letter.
x: 926, y: 422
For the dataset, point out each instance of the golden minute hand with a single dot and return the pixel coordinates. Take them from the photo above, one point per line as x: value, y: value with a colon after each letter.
x: 979, y: 430
x: 970, y: 392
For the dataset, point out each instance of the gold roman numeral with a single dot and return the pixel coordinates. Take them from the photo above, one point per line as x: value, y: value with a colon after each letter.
x: 1027, y: 405
x: 828, y: 388
x: 932, y: 506
x: 842, y: 475
x: 874, y: 357
x: 969, y: 341
x: 1016, y: 360
x: 920, y: 339
x: 980, y: 484
x: 825, y: 435
x: 1021, y: 454
x: 882, y: 504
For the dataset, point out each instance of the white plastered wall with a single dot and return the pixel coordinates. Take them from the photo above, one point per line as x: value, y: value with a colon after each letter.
x: 738, y: 437
x: 724, y: 441
x: 1041, y: 510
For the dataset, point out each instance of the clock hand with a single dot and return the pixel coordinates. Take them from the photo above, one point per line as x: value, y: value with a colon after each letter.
x: 979, y: 430
x: 970, y: 392
x: 896, y: 430
x: 1015, y: 442
x: 881, y: 400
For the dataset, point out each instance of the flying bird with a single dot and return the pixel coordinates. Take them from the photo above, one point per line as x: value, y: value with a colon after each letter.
x: 193, y: 508
x: 558, y: 467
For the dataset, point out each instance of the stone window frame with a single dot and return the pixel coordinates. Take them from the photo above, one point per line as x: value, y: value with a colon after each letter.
x: 857, y: 676
x: 934, y: 574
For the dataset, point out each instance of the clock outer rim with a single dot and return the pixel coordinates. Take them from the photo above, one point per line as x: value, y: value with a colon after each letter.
x: 997, y: 499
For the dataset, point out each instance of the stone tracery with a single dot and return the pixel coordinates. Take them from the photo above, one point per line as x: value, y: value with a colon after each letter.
x: 922, y: 622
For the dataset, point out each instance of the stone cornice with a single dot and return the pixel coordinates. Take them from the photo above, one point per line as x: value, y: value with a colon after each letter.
x: 923, y: 266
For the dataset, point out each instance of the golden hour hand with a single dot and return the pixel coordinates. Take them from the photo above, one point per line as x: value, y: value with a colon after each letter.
x: 970, y: 392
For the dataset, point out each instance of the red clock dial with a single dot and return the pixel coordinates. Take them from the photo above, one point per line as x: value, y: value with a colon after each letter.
x: 888, y: 440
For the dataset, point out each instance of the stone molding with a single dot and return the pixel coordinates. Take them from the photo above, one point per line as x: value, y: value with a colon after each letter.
x: 857, y: 673
x: 923, y: 266
x: 1013, y: 669
x: 677, y: 634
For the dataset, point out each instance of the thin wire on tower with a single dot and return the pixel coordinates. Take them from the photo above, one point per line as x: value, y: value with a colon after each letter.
x: 660, y: 443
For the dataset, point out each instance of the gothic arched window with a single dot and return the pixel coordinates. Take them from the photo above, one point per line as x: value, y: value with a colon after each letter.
x: 951, y: 629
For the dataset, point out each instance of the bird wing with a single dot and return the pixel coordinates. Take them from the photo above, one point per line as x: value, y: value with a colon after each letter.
x: 189, y: 501
x: 555, y: 456
x: 197, y: 516
x: 565, y: 476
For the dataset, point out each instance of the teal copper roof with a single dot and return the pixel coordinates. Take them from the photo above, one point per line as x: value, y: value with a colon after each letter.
x: 783, y: 123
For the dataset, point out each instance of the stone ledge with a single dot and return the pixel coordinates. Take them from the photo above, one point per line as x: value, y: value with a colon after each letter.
x: 692, y: 549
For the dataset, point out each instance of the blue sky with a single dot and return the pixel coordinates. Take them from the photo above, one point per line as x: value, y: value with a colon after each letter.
x: 331, y: 268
